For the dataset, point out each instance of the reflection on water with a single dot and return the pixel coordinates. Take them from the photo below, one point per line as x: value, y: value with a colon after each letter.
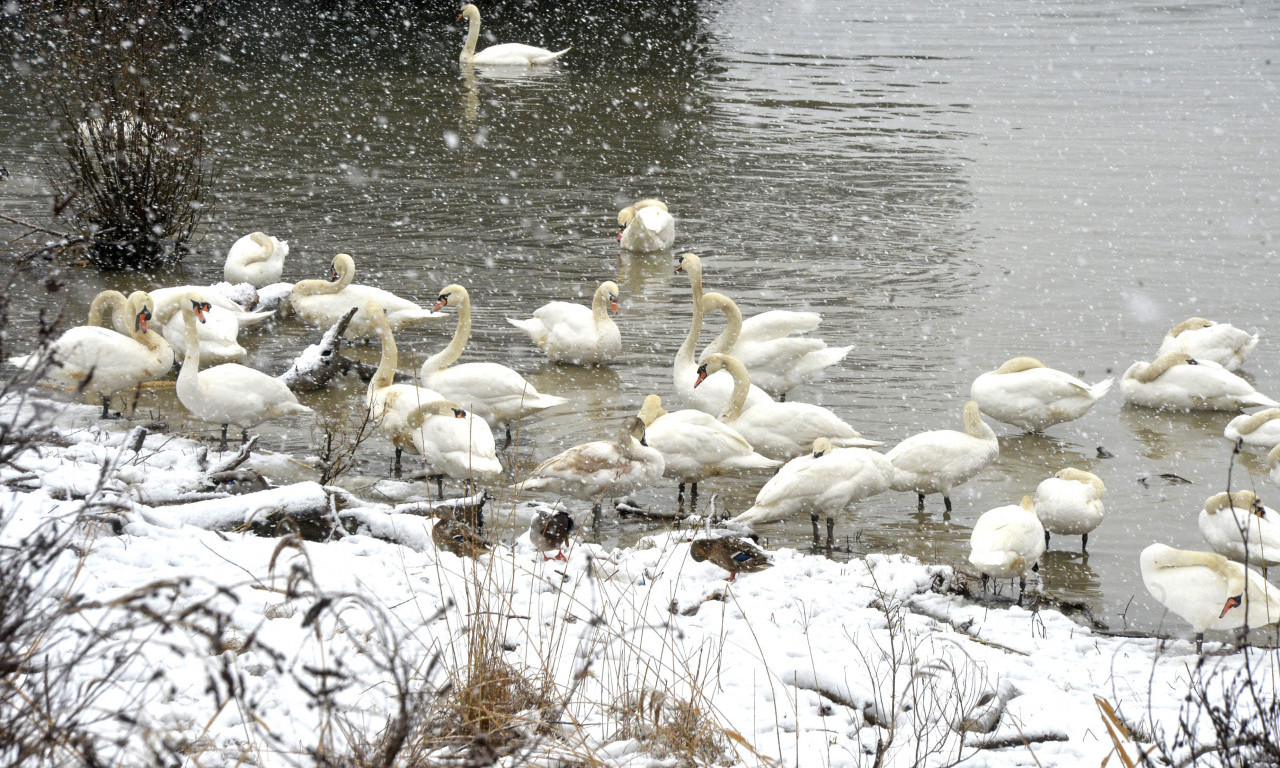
x: 950, y: 186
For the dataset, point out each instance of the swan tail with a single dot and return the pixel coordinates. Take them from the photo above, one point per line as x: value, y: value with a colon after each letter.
x: 550, y: 58
x: 855, y: 442
x: 250, y: 319
x: 532, y: 327
x: 540, y: 401
x: 28, y: 362
x: 1259, y: 399
x: 1101, y: 388
x: 751, y: 461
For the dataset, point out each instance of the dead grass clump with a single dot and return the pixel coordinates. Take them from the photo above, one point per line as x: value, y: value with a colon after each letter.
x: 671, y: 727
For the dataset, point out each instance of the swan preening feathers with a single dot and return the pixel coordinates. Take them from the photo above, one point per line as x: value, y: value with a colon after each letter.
x: 1070, y: 503
x: 1178, y: 382
x: 321, y: 303
x: 1203, y: 339
x: 504, y: 54
x: 1025, y: 393
x: 1007, y: 543
x: 572, y: 333
x: 1208, y: 590
x: 257, y: 259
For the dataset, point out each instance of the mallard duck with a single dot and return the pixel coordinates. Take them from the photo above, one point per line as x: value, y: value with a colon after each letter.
x: 459, y: 538
x: 1070, y: 503
x: 549, y: 529
x: 735, y: 554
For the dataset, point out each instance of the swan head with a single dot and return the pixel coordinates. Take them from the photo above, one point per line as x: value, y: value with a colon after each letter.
x: 1019, y: 364
x: 453, y: 295
x: 1081, y: 476
x: 712, y: 302
x: 821, y: 447
x: 633, y: 427
x: 690, y: 264
x: 651, y: 410
x: 139, y: 305
x: 1148, y: 372
x: 1189, y: 324
x: 1028, y: 504
x: 1239, y: 500
x: 469, y: 12
x: 610, y: 290
x: 344, y: 268
x: 198, y: 307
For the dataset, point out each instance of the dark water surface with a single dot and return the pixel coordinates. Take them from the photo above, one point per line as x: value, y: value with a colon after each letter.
x: 950, y: 185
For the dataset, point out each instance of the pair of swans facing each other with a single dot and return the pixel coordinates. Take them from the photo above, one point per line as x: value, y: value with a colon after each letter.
x: 103, y: 361
x: 503, y: 54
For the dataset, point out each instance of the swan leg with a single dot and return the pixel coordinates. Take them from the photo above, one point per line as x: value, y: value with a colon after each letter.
x: 507, y: 444
x: 946, y: 502
x: 1046, y: 538
x: 244, y: 436
x: 984, y: 583
x: 680, y: 498
x: 440, y: 486
x: 1084, y: 546
x: 1199, y: 642
x: 222, y: 446
x: 1022, y: 587
x: 693, y: 498
x: 106, y: 406
x: 396, y: 466
x: 831, y: 532
x: 782, y: 398
x: 813, y: 518
x: 920, y: 502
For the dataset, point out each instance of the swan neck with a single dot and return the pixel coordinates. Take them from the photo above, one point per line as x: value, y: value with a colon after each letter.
x: 473, y: 36
x: 685, y: 353
x: 599, y: 308
x: 107, y: 301
x: 741, y: 386
x: 974, y: 426
x: 317, y: 287
x: 461, y: 335
x: 191, y: 335
x: 728, y: 338
x: 390, y: 359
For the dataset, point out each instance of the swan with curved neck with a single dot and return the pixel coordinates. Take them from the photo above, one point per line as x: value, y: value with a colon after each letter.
x: 646, y: 226
x: 1238, y: 526
x: 1007, y: 542
x: 504, y: 54
x: 712, y: 395
x: 493, y: 391
x: 826, y: 480
x: 453, y: 442
x: 104, y: 361
x: 572, y: 333
x: 1027, y: 394
x: 1070, y: 503
x: 1177, y: 382
x: 391, y: 404
x: 321, y: 303
x: 108, y: 310
x: 779, y: 431
x: 229, y: 393
x: 257, y: 259
x: 938, y: 461
x: 1203, y: 339
x: 696, y: 445
x: 1261, y: 429
x: 775, y: 364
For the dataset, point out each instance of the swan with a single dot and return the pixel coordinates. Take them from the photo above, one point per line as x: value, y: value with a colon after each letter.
x: 1177, y: 382
x: 1273, y: 465
x: 219, y: 334
x: 549, y: 529
x: 257, y: 259
x: 321, y: 303
x: 493, y: 391
x: 1202, y: 339
x: 827, y: 480
x: 591, y: 470
x: 1208, y: 590
x: 712, y: 395
x: 453, y: 442
x: 775, y: 364
x: 696, y: 445
x: 229, y: 393
x: 391, y: 404
x: 735, y: 554
x: 778, y: 430
x: 1238, y: 526
x: 1261, y: 429
x: 646, y: 225
x: 109, y: 310
x: 104, y: 361
x: 571, y: 333
x: 937, y: 461
x: 510, y: 54
x: 1007, y: 543
x: 1070, y: 504
x: 1027, y: 394
x: 168, y: 303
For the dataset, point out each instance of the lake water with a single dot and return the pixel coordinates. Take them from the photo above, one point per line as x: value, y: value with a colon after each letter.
x: 949, y: 184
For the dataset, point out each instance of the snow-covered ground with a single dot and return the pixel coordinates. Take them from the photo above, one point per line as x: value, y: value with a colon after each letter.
x: 266, y: 649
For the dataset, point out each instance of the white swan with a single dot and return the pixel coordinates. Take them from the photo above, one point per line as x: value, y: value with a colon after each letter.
x: 1007, y: 543
x: 104, y: 361
x: 778, y: 430
x: 646, y: 225
x: 591, y: 470
x: 776, y: 364
x: 712, y: 395
x: 1028, y: 395
x: 826, y: 481
x: 938, y: 461
x: 229, y: 393
x: 572, y: 333
x: 109, y: 310
x: 168, y: 303
x: 1273, y: 465
x: 390, y: 404
x: 1261, y: 429
x: 493, y: 391
x: 1238, y: 526
x: 509, y: 54
x: 321, y: 303
x: 1177, y: 382
x: 1208, y: 590
x: 454, y: 442
x: 257, y: 259
x: 1202, y: 339
x: 1070, y: 504
x: 696, y: 445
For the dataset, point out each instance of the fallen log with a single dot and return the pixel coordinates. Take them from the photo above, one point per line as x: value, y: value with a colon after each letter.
x: 320, y: 362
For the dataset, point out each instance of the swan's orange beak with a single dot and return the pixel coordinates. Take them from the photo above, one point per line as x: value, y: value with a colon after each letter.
x: 1232, y: 602
x: 143, y: 317
x: 621, y: 229
x: 441, y: 302
x: 613, y: 304
x: 458, y: 413
x: 333, y: 275
x: 702, y: 375
x: 459, y: 18
x: 200, y: 308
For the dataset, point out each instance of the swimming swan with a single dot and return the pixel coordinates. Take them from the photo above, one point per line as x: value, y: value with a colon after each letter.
x: 104, y: 361
x: 257, y: 259
x: 778, y: 430
x: 493, y: 391
x: 229, y: 393
x: 1028, y: 395
x: 1177, y: 382
x: 645, y: 226
x: 938, y: 461
x: 1261, y: 429
x: 510, y: 54
x: 572, y: 333
x: 321, y: 303
x: 1203, y: 339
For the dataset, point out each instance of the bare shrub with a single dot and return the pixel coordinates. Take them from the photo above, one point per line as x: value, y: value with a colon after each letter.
x: 673, y: 728
x: 1228, y: 719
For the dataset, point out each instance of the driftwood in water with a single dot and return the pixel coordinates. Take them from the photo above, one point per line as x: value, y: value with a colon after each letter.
x: 320, y: 362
